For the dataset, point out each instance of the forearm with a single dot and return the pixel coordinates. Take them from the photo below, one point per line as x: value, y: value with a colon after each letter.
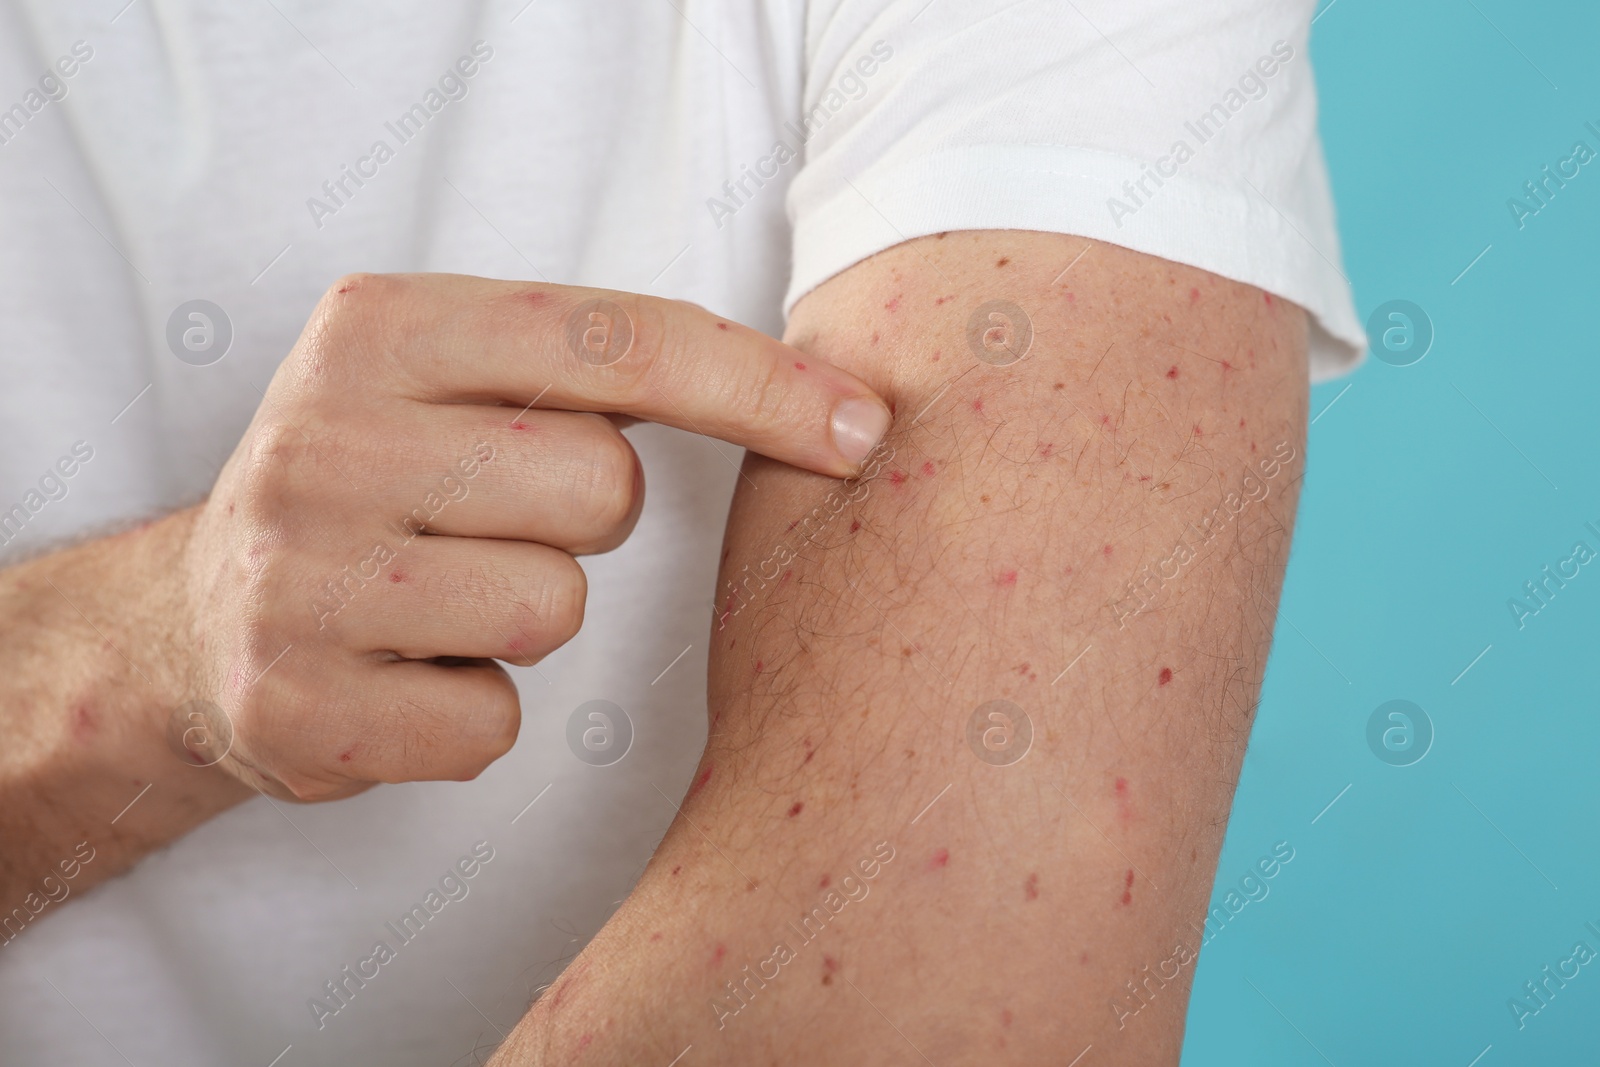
x: 88, y: 677
x: 990, y: 559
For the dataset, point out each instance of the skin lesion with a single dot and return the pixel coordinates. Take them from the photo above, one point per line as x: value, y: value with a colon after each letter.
x: 1029, y: 495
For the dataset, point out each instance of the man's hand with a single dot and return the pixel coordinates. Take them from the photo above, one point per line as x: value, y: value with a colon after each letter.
x: 404, y: 509
x: 384, y: 532
x: 975, y: 722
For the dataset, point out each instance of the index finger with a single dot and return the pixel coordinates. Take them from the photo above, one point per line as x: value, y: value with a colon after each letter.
x: 471, y: 339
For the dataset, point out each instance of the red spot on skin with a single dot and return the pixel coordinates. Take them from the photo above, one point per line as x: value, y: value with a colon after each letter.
x: 83, y: 723
x: 1194, y: 295
x: 1071, y: 299
x: 936, y: 357
x: 786, y: 576
x: 927, y: 470
x: 678, y: 869
x: 1144, y: 477
x: 793, y: 524
x: 1105, y: 420
x: 892, y: 305
x: 397, y: 576
x: 940, y: 859
x: 716, y: 957
x: 1268, y: 298
x: 346, y: 287
x: 799, y: 366
x: 230, y: 507
x: 808, y: 756
x: 1172, y: 372
x: 826, y: 881
x: 1226, y: 365
x: 565, y: 987
x: 1241, y: 424
x: 1107, y: 551
x: 700, y: 782
x: 1006, y: 578
x: 796, y: 808
x: 855, y: 524
x: 1165, y: 676
x: 874, y: 337
x: 345, y: 756
x: 520, y: 426
x: 897, y: 477
x: 656, y: 936
x: 759, y: 664
x: 1006, y: 1017
x: 1047, y: 448
x: 1083, y: 957
x: 1198, y: 432
x: 830, y: 964
x: 515, y: 644
x: 722, y: 326
x: 1193, y: 855
x: 583, y: 1042
x: 977, y: 405
x: 1121, y: 786
x: 941, y: 300
x: 1030, y: 888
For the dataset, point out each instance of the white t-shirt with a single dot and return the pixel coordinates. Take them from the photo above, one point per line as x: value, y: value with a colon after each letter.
x: 733, y: 154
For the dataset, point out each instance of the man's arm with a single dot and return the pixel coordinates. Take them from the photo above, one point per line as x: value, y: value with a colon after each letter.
x: 1095, y: 533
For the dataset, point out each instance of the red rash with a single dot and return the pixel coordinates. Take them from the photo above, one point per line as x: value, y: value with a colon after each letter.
x: 1194, y: 295
x: 1002, y: 262
x: 397, y: 577
x: 1165, y: 676
x: 346, y: 755
x: 583, y: 1042
x: 1127, y: 888
x: 977, y: 405
x: 892, y: 305
x: 716, y: 957
x: 700, y: 782
x: 1107, y: 551
x: 897, y: 477
x: 1121, y: 787
x: 656, y: 936
x: 722, y: 326
x: 797, y: 808
x: 677, y: 870
x: 940, y: 859
x: 927, y: 470
x: 1172, y: 373
x: 1268, y: 298
x: 1030, y: 888
x: 1006, y: 1017
x: 1006, y: 578
x: 799, y: 366
x: 83, y: 723
x: 826, y: 881
x: 855, y: 524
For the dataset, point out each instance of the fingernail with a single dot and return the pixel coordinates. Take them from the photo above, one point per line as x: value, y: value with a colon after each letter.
x: 858, y: 425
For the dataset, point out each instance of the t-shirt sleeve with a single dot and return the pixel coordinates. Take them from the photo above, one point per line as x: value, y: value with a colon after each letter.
x: 1178, y: 129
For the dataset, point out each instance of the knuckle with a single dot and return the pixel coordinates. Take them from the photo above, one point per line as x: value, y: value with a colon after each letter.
x: 608, y: 478
x: 558, y: 603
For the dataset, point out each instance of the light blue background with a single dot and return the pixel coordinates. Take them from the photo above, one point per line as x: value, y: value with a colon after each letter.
x: 1408, y: 918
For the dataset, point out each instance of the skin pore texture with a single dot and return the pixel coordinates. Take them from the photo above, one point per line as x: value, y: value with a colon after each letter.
x: 1096, y: 533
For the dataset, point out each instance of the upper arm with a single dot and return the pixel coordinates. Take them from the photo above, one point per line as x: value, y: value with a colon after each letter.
x: 1094, y: 533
